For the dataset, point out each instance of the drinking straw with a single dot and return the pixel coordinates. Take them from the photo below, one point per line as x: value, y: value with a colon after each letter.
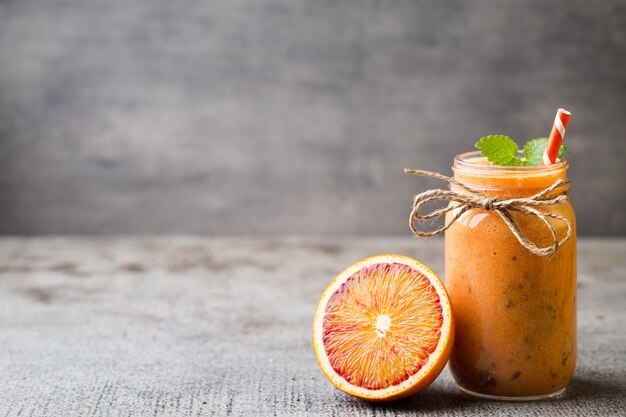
x: 556, y: 136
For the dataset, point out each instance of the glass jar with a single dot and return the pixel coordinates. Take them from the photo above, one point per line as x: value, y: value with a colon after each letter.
x: 515, y: 311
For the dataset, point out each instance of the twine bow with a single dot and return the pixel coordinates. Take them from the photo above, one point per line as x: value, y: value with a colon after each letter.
x: 473, y: 199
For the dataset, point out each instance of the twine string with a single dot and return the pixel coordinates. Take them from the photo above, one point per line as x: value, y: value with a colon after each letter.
x: 470, y: 198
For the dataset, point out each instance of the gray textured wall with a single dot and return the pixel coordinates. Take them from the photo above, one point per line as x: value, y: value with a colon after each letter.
x: 291, y: 117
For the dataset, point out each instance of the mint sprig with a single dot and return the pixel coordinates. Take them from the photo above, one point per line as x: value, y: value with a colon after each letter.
x: 502, y: 150
x: 534, y: 148
x: 499, y: 149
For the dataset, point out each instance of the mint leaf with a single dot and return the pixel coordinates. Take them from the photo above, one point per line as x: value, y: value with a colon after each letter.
x: 499, y: 149
x: 533, y: 151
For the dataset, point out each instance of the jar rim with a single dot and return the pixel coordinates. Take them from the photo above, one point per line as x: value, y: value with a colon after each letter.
x: 467, y: 162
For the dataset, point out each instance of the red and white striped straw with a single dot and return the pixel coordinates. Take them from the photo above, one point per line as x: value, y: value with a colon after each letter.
x: 556, y: 136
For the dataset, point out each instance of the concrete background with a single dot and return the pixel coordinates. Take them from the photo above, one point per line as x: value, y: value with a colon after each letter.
x: 240, y: 117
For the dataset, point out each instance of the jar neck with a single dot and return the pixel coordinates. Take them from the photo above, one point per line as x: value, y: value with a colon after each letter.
x: 472, y: 170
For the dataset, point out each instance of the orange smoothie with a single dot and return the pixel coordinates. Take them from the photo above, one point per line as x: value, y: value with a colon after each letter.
x: 515, y: 311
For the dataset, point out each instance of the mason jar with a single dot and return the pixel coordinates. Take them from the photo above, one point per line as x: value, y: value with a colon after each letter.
x: 515, y: 311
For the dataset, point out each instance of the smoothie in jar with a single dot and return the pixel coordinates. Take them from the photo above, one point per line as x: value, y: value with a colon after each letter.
x: 515, y: 310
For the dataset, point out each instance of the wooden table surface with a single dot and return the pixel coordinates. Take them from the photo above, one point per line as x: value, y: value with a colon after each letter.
x: 210, y: 326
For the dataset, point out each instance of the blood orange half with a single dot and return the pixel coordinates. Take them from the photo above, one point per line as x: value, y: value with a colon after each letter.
x: 383, y: 329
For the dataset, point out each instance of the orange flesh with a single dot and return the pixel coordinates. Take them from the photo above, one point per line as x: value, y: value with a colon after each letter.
x: 381, y: 325
x: 515, y: 312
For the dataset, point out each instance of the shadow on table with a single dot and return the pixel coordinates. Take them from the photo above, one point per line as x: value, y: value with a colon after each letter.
x: 433, y: 399
x: 442, y: 398
x: 593, y: 388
